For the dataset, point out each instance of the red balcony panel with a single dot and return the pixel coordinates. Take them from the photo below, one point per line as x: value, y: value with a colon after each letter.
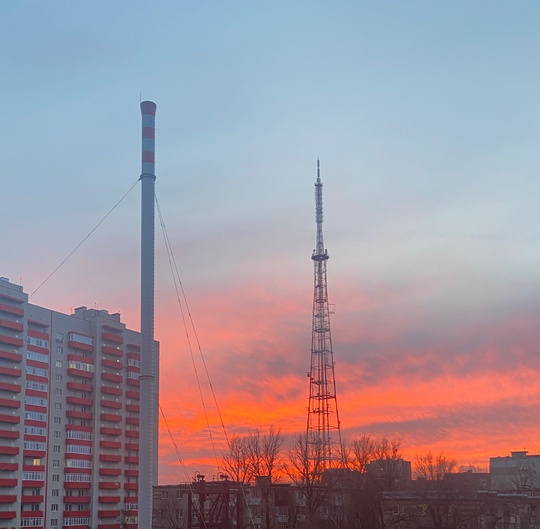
x: 134, y: 346
x: 79, y: 373
x: 9, y: 403
x: 11, y: 357
x: 77, y: 499
x: 132, y: 446
x: 32, y: 484
x: 9, y: 434
x: 31, y: 514
x: 9, y: 467
x: 110, y: 337
x: 75, y: 386
x: 133, y: 356
x: 109, y: 390
x: 8, y: 482
x: 31, y: 499
x: 77, y: 470
x: 132, y: 460
x: 110, y: 444
x: 10, y: 372
x: 10, y: 340
x: 132, y: 473
x: 110, y: 417
x: 33, y: 407
x: 9, y: 450
x: 133, y: 382
x: 30, y: 437
x: 16, y: 388
x: 132, y: 433
x: 37, y: 378
x: 35, y: 453
x: 81, y: 457
x: 8, y: 515
x: 80, y: 346
x: 79, y: 414
x: 133, y: 407
x: 110, y: 526
x: 109, y: 499
x: 131, y: 499
x: 38, y: 334
x: 77, y: 428
x: 79, y: 442
x: 131, y: 486
x: 108, y: 514
x: 12, y: 419
x: 36, y: 363
x: 133, y: 395
x: 10, y: 309
x: 132, y: 420
x: 79, y: 401
x: 111, y: 404
x: 106, y: 349
x: 130, y: 526
x: 82, y: 359
x: 114, y: 364
x: 110, y: 458
x: 110, y: 471
x: 37, y: 349
x: 71, y: 514
x: 105, y: 430
x: 13, y: 325
x: 33, y: 468
x: 77, y: 485
x: 109, y: 485
x: 111, y: 377
x: 10, y: 498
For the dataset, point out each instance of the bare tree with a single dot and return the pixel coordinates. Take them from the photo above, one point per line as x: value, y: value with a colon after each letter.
x: 236, y: 461
x: 434, y: 467
x: 359, y: 452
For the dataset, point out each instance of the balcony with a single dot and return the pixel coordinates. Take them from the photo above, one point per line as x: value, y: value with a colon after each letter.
x: 76, y: 386
x: 8, y: 482
x: 109, y: 514
x: 8, y: 515
x: 133, y: 407
x: 10, y: 340
x: 110, y: 471
x: 104, y: 430
x: 13, y: 388
x: 80, y: 401
x: 111, y: 417
x: 111, y: 404
x: 110, y: 444
x: 79, y: 414
x: 113, y: 364
x: 111, y: 377
x: 109, y: 499
x: 9, y: 434
x: 9, y: 450
x: 10, y: 372
x: 10, y: 309
x: 110, y: 458
x: 81, y: 346
x: 79, y: 373
x: 133, y: 395
x: 31, y: 499
x: 10, y: 403
x: 115, y: 351
x: 12, y: 419
x: 11, y: 357
x: 77, y: 499
x: 110, y: 337
x: 10, y: 498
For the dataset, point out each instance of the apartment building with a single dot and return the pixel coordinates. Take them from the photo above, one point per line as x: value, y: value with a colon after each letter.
x: 69, y: 417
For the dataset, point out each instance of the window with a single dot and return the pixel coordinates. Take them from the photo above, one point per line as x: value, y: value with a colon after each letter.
x: 58, y: 363
x: 58, y: 405
x: 54, y: 507
x: 57, y: 435
x: 54, y: 522
x: 56, y: 463
x: 56, y: 449
x: 57, y: 420
x: 56, y: 477
x: 59, y: 336
x: 58, y: 377
x: 76, y: 337
x: 55, y: 491
x: 59, y: 350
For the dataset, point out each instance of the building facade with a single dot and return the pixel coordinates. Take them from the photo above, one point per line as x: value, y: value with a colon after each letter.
x: 69, y: 417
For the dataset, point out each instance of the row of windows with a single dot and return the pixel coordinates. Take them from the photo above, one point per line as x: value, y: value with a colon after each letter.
x: 78, y: 477
x: 78, y: 449
x: 36, y: 401
x: 81, y: 366
x: 34, y: 430
x: 34, y: 476
x: 79, y: 520
x: 30, y: 370
x: 33, y: 445
x: 78, y: 463
x: 30, y: 355
x: 75, y: 337
x: 84, y: 436
x: 35, y: 416
x: 37, y: 342
x: 134, y: 363
x: 31, y: 522
x: 36, y: 385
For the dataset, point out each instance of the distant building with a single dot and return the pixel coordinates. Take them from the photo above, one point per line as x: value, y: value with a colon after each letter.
x: 517, y: 472
x: 69, y: 417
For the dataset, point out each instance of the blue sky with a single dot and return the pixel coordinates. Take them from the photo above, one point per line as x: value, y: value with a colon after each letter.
x: 425, y: 116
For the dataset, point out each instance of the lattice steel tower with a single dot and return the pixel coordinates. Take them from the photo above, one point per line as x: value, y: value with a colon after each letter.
x: 323, y: 426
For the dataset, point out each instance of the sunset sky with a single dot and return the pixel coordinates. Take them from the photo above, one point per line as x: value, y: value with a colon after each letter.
x: 426, y: 119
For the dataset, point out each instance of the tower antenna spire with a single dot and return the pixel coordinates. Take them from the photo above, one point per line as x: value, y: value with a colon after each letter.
x: 323, y: 434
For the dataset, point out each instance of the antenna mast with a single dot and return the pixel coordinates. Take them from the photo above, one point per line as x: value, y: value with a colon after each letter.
x: 323, y: 425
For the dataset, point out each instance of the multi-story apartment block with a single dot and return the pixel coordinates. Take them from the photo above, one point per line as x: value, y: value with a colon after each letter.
x: 519, y: 471
x: 69, y: 417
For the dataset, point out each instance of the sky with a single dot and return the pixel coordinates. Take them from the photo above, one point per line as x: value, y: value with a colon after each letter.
x: 426, y: 120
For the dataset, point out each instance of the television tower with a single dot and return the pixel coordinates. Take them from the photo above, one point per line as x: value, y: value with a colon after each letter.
x: 323, y: 427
